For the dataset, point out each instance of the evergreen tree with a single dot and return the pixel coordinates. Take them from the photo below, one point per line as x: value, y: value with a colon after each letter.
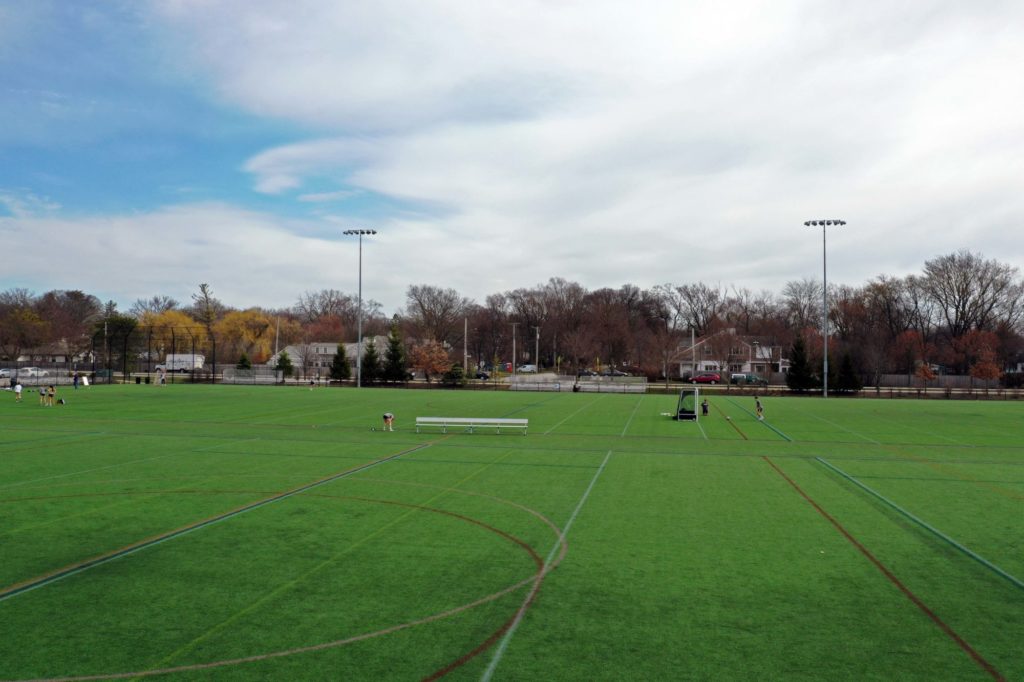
x: 848, y: 381
x: 244, y: 362
x: 394, y: 357
x: 371, y: 363
x: 340, y: 369
x: 284, y: 364
x: 455, y: 376
x: 800, y: 377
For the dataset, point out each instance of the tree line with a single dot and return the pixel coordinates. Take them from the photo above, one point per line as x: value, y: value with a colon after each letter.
x: 961, y: 313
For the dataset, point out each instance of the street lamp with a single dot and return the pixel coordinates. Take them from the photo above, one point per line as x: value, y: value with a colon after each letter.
x: 359, y: 344
x: 824, y: 297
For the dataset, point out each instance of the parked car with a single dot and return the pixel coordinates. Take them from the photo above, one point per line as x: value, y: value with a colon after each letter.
x: 706, y: 378
x: 614, y: 373
x: 32, y: 372
x: 586, y: 373
x: 483, y: 375
x: 747, y: 378
x: 527, y: 369
x: 6, y: 373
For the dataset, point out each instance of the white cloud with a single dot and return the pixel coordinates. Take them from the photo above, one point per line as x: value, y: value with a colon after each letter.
x: 319, y: 197
x: 20, y: 203
x: 247, y: 258
x: 606, y: 142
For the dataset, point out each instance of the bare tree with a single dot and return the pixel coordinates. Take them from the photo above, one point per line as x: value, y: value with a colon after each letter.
x: 154, y: 306
x: 437, y: 313
x: 16, y: 298
x: 972, y: 293
x: 314, y: 305
x: 71, y: 315
x: 802, y: 300
x: 703, y: 305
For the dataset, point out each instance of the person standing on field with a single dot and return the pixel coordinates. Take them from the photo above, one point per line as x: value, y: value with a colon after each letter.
x: 759, y: 408
x: 17, y: 391
x: 389, y: 422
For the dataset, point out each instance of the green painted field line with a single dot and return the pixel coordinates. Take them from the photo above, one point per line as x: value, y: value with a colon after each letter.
x: 935, y: 531
x: 92, y: 563
x: 733, y: 402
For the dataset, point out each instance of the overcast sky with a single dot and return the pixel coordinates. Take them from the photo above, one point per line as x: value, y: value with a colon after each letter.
x: 146, y: 147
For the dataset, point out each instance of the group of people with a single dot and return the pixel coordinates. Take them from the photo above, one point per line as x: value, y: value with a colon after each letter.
x: 47, y: 395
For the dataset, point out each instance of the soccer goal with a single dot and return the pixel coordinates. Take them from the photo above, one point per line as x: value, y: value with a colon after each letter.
x: 689, y: 404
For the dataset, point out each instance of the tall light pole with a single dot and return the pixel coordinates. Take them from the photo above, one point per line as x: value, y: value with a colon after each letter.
x: 359, y: 343
x: 824, y: 297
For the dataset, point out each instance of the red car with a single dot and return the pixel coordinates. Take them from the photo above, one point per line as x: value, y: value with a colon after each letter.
x: 706, y: 378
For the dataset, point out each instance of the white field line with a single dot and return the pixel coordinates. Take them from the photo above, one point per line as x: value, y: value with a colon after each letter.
x: 630, y: 420
x: 702, y: 431
x: 503, y: 645
x: 572, y: 415
x: 843, y: 428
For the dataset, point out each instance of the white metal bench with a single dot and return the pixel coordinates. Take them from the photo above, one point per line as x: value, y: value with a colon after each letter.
x: 470, y: 423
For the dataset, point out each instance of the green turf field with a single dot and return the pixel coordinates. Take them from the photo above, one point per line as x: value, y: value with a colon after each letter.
x: 218, y: 532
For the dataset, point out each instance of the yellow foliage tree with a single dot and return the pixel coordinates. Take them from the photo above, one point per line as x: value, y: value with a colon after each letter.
x: 173, y: 331
x: 246, y: 331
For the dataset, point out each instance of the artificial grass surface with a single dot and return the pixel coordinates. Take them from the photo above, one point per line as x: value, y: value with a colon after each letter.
x: 691, y: 551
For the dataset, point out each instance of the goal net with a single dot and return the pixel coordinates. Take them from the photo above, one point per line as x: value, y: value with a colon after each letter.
x: 689, y: 404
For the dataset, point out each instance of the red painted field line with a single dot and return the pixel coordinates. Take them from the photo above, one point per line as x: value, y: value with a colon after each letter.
x: 535, y: 579
x: 732, y: 423
x: 961, y: 642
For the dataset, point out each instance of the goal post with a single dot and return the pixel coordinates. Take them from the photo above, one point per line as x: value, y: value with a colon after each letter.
x: 689, y: 404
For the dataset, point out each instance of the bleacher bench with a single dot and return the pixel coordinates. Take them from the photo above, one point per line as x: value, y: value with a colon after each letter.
x: 471, y: 423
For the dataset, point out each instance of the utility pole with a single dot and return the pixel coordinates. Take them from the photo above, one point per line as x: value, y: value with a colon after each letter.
x: 536, y: 349
x: 514, y: 325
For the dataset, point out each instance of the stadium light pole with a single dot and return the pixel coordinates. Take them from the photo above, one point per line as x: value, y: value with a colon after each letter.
x: 359, y: 343
x: 824, y: 297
